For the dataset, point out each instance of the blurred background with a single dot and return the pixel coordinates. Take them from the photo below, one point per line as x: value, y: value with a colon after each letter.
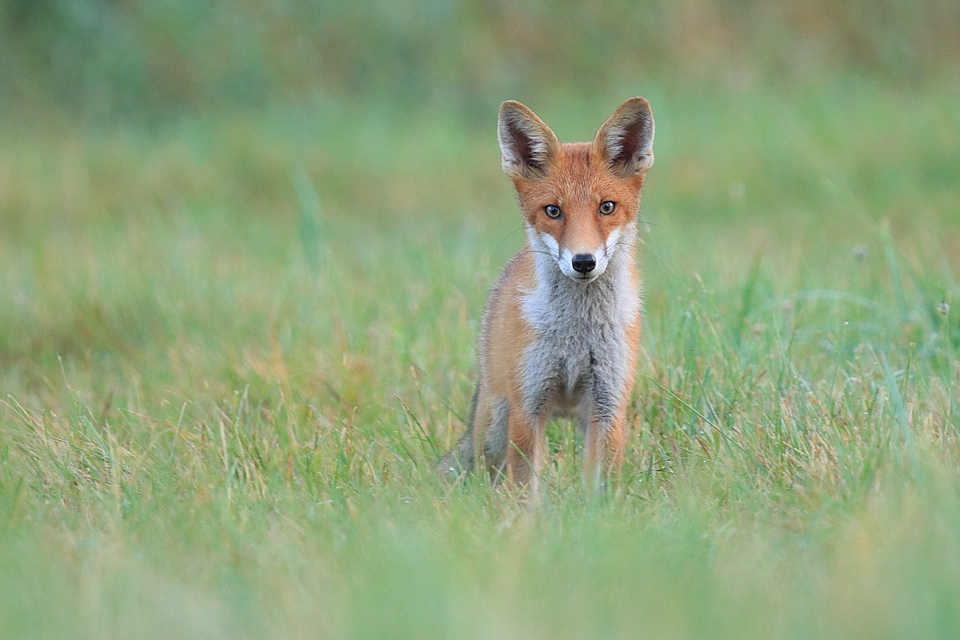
x: 165, y: 163
x: 109, y: 60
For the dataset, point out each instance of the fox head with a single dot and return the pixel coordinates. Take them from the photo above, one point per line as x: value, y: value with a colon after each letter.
x: 579, y: 200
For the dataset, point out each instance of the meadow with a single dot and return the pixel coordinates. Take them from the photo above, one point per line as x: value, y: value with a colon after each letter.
x: 234, y: 342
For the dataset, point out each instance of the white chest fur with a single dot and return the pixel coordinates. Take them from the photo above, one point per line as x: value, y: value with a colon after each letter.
x: 579, y: 358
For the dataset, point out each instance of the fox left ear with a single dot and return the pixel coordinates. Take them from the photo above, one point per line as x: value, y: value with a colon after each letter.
x: 625, y: 140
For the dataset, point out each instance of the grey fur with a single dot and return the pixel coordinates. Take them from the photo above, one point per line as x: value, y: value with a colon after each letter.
x: 495, y: 438
x: 463, y: 456
x: 628, y: 138
x: 526, y: 143
x: 577, y: 364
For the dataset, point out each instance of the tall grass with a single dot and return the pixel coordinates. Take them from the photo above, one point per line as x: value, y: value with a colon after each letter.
x: 232, y: 350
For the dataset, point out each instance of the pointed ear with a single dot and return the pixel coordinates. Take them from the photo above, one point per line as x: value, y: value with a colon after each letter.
x: 527, y: 144
x: 625, y: 140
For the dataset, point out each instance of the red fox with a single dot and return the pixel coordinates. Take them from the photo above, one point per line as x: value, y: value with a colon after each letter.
x: 561, y: 327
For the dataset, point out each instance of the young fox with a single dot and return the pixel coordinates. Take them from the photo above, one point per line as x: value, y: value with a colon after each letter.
x: 561, y: 327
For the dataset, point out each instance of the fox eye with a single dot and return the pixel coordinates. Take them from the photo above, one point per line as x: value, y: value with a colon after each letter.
x: 606, y: 208
x: 552, y: 211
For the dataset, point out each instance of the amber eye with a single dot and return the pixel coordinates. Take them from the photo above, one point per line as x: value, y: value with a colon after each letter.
x: 552, y: 211
x: 606, y: 208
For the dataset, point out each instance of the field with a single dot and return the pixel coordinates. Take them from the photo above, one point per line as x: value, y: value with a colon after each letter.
x: 234, y: 342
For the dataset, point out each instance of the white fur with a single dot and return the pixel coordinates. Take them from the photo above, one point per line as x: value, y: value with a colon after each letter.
x: 577, y: 363
x: 512, y: 161
x: 550, y: 242
x: 611, y: 243
x: 615, y: 141
x: 566, y: 266
x: 564, y: 257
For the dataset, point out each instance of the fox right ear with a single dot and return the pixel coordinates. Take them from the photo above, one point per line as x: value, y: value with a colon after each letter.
x: 527, y: 144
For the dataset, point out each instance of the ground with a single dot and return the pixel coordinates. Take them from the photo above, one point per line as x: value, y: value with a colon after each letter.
x: 232, y: 348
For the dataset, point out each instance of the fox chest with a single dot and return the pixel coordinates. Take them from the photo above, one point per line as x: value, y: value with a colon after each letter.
x: 580, y: 354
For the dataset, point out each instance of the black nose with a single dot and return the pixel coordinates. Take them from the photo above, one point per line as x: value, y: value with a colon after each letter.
x: 584, y: 263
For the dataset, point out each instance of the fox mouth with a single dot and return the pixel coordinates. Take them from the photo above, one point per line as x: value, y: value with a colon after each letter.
x: 582, y: 277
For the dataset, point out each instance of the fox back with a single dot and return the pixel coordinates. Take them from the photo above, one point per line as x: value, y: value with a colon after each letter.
x: 561, y: 327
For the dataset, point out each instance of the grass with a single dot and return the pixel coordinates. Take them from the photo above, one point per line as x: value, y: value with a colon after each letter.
x: 231, y: 351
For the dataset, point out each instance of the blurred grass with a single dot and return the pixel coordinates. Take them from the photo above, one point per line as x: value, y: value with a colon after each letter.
x: 244, y: 248
x: 132, y: 59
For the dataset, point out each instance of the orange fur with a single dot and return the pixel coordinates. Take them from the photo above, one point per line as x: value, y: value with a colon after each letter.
x: 561, y: 329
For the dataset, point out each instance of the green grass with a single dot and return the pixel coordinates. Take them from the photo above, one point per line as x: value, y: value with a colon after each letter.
x: 232, y: 349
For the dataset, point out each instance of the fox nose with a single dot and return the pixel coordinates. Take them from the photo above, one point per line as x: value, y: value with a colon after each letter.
x: 584, y: 263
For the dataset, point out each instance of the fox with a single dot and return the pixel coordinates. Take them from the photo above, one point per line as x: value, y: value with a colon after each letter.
x: 560, y: 331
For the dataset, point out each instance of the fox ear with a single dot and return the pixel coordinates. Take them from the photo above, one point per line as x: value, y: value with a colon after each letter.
x: 625, y: 140
x: 527, y: 144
